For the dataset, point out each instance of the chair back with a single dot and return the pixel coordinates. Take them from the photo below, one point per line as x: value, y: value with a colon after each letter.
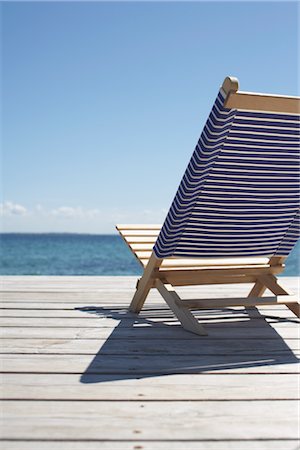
x: 239, y: 195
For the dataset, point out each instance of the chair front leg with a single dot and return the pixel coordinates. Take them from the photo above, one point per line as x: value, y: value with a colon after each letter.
x: 145, y: 284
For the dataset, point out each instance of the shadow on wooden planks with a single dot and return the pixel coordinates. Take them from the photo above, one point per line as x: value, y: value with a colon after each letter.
x: 152, y: 344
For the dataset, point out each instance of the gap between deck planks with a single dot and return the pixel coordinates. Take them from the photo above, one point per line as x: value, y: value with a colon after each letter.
x: 121, y: 380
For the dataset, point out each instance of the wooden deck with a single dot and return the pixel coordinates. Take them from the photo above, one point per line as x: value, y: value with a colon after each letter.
x: 81, y: 373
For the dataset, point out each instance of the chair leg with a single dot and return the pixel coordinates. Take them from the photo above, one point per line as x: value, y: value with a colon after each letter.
x: 295, y: 308
x: 257, y: 290
x: 144, y: 284
x: 183, y: 314
x: 271, y: 282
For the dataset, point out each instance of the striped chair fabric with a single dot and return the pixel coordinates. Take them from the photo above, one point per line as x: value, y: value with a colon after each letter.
x: 239, y: 195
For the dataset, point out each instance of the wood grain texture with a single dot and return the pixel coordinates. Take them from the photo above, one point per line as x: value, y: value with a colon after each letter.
x: 96, y: 420
x: 263, y: 102
x: 183, y: 387
x: 81, y: 372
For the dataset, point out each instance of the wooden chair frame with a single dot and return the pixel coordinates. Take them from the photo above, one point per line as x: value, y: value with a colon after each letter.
x: 166, y: 274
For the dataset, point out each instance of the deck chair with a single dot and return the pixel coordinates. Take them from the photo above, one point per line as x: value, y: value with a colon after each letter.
x: 235, y: 216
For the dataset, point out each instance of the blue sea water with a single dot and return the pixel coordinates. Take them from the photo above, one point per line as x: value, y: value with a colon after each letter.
x: 79, y: 254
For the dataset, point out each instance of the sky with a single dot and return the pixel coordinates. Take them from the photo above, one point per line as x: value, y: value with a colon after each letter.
x: 103, y: 102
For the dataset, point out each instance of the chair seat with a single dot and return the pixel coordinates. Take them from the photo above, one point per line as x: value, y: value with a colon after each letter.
x: 141, y: 239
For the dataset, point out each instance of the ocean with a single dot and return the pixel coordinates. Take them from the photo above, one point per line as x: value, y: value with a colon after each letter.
x: 79, y: 254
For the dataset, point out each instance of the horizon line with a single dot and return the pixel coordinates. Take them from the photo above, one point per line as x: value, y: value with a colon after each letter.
x: 59, y: 232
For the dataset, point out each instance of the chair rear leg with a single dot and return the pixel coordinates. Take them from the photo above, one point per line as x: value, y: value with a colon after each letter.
x: 271, y: 282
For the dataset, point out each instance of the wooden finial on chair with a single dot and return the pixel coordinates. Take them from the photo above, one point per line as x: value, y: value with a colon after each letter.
x: 230, y: 84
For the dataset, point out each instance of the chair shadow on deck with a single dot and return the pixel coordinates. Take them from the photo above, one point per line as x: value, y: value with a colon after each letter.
x: 151, y: 344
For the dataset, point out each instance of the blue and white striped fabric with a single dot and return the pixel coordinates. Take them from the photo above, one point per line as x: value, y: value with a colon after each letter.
x: 240, y: 193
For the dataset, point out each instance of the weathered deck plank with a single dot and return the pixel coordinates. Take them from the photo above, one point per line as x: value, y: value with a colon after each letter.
x: 136, y: 444
x: 147, y: 365
x: 234, y: 331
x: 97, y: 419
x: 258, y: 347
x: 187, y: 387
x: 80, y: 372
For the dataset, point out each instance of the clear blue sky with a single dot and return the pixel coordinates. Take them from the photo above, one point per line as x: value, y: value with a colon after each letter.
x: 103, y: 102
